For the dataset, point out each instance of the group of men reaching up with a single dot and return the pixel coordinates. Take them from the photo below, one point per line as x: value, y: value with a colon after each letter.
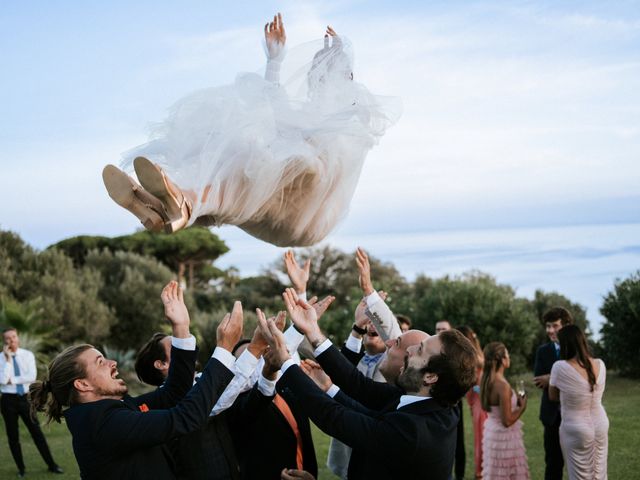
x: 247, y: 416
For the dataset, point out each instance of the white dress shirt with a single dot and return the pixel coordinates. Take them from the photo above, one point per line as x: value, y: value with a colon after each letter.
x: 8, y: 379
x: 248, y: 370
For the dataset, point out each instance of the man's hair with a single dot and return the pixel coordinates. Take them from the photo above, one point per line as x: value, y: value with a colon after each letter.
x: 404, y: 319
x: 9, y: 329
x: 443, y: 320
x: 63, y: 371
x: 455, y: 367
x: 557, y: 313
x: 150, y: 352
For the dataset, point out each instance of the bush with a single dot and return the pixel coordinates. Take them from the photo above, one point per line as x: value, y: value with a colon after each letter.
x: 621, y: 331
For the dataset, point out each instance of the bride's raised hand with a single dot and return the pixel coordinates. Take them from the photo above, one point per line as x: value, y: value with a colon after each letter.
x: 275, y: 36
x: 336, y: 40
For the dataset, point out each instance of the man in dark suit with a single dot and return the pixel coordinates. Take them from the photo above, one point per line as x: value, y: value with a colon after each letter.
x: 276, y: 437
x: 205, y: 454
x: 410, y: 429
x: 546, y: 356
x: 119, y: 436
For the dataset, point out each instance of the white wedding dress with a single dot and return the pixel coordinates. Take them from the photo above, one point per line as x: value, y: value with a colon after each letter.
x: 279, y: 159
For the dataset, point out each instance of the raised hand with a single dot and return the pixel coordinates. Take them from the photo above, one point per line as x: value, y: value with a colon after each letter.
x: 361, y: 318
x: 298, y: 276
x: 259, y: 344
x: 315, y: 372
x: 364, y: 268
x: 230, y: 329
x: 336, y: 41
x: 277, y: 353
x: 321, y: 306
x: 175, y: 310
x: 275, y: 36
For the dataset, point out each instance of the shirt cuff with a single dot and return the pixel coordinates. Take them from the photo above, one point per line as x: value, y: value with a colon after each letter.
x: 373, y: 298
x: 245, y: 364
x: 322, y: 347
x: 289, y: 362
x: 333, y: 390
x: 225, y: 357
x: 292, y: 338
x: 303, y: 296
x: 188, y: 343
x: 354, y: 344
x: 267, y: 387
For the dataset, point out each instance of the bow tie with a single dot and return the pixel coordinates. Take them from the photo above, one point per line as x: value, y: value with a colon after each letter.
x: 371, y: 359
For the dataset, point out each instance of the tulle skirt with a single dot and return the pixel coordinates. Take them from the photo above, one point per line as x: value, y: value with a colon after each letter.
x: 281, y: 161
x: 503, y: 452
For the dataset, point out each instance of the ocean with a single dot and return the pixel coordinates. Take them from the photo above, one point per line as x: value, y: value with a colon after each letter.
x: 580, y: 262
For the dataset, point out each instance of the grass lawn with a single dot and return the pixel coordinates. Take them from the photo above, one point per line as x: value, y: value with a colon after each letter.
x: 621, y: 399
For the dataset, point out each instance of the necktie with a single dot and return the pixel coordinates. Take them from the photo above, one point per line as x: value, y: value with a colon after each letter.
x: 16, y: 372
x: 291, y: 420
x: 557, y: 348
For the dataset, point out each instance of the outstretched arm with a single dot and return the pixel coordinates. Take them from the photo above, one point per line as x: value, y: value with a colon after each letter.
x: 275, y: 38
x: 377, y: 310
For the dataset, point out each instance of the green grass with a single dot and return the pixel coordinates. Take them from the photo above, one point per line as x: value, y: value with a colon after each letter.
x: 621, y: 400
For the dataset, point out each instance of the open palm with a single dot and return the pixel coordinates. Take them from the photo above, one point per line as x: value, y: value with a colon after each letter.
x: 303, y: 315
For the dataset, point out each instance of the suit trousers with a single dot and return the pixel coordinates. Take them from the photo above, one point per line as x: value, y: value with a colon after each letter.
x: 553, y: 452
x: 13, y: 406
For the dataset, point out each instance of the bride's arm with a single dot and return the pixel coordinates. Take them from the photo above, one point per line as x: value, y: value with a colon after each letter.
x: 275, y: 38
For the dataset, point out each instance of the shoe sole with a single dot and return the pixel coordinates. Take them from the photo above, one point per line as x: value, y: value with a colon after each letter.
x: 121, y: 189
x: 154, y: 182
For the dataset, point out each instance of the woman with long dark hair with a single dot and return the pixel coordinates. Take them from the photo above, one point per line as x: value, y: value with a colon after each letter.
x: 578, y: 382
x: 478, y: 414
x: 503, y: 453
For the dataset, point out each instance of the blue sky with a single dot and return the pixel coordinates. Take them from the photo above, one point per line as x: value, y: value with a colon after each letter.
x: 516, y: 114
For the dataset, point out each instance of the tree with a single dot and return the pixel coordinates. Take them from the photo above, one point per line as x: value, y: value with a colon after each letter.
x: 131, y: 288
x: 66, y: 299
x: 475, y: 299
x: 189, y: 252
x: 334, y: 272
x: 542, y: 302
x: 621, y: 331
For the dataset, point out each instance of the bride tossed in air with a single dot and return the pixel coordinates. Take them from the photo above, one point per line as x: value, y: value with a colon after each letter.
x: 279, y: 156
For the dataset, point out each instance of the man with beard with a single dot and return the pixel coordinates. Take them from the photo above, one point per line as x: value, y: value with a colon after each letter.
x: 413, y: 423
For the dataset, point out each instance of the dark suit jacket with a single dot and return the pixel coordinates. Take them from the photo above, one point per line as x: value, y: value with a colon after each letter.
x: 126, y: 439
x: 416, y: 441
x: 545, y: 358
x: 266, y: 444
x: 352, y: 356
x: 209, y: 453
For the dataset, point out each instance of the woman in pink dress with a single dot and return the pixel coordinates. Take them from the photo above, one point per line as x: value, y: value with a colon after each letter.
x: 478, y: 414
x: 578, y: 381
x: 503, y: 453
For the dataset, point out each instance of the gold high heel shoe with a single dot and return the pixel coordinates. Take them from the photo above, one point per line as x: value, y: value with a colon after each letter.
x: 175, y: 203
x: 128, y: 194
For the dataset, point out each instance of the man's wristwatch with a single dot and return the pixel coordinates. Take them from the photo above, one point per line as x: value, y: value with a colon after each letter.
x: 358, y: 330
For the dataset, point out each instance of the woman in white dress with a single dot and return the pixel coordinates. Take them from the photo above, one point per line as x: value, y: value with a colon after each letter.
x: 279, y: 159
x: 578, y: 381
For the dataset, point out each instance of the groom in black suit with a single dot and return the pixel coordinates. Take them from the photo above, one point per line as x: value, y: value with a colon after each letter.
x: 400, y: 431
x: 546, y: 356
